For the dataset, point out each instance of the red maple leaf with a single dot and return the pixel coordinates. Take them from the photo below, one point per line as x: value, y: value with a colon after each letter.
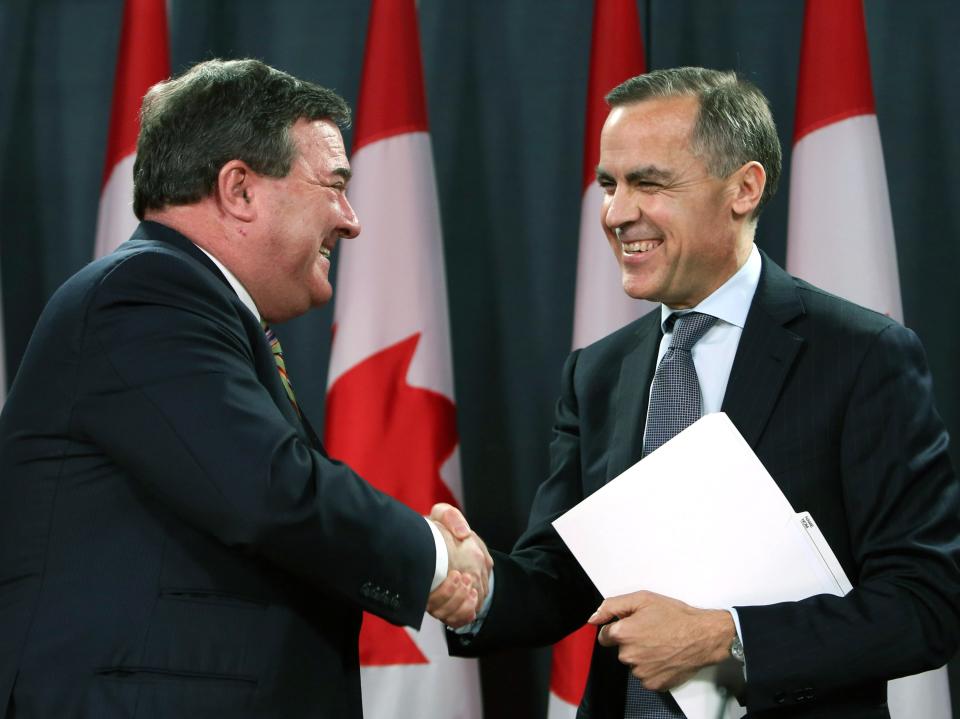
x: 396, y: 437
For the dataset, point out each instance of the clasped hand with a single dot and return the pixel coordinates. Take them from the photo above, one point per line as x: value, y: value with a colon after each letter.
x: 663, y: 640
x: 459, y: 597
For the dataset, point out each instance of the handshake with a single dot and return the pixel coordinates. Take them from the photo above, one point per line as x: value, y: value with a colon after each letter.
x: 458, y: 599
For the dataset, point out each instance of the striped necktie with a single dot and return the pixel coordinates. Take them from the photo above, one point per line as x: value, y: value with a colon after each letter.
x: 281, y: 365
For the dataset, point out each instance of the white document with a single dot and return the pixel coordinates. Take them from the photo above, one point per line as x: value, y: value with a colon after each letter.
x: 701, y: 520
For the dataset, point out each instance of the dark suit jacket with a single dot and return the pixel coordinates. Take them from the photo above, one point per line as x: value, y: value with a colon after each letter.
x: 837, y: 403
x: 173, y: 541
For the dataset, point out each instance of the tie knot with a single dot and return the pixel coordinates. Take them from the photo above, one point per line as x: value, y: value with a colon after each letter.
x: 689, y: 328
x: 268, y: 331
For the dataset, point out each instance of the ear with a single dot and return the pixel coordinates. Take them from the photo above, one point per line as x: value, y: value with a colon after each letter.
x: 236, y: 189
x: 750, y: 181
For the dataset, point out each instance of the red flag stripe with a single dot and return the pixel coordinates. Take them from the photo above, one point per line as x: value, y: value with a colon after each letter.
x: 616, y: 54
x: 834, y: 81
x: 391, y: 89
x: 143, y: 59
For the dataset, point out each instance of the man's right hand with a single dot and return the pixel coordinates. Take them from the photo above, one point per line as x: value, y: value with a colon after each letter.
x: 459, y: 597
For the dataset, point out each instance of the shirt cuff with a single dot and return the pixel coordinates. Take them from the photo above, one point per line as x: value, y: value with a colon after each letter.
x: 443, y: 559
x: 736, y: 624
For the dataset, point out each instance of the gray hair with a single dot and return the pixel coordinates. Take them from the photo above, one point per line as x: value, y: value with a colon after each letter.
x: 217, y: 111
x: 734, y: 125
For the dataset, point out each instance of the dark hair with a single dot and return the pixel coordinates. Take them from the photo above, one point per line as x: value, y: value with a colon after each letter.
x: 217, y: 111
x: 734, y: 125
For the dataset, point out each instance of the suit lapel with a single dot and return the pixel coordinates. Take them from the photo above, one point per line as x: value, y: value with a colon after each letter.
x: 765, y: 354
x: 264, y: 363
x: 632, y: 393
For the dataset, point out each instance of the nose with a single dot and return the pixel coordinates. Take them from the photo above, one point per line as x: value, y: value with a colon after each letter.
x: 619, y: 209
x: 350, y: 223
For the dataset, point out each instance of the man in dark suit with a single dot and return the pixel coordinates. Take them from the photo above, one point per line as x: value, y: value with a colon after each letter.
x: 174, y: 542
x: 835, y: 400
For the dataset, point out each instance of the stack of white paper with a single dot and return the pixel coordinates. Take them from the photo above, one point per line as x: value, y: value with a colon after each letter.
x: 701, y: 520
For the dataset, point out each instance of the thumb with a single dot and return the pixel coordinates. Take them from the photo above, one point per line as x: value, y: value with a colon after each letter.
x: 451, y: 518
x: 605, y: 613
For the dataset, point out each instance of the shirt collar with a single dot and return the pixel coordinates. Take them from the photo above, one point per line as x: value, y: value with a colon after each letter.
x: 241, y: 291
x: 730, y: 302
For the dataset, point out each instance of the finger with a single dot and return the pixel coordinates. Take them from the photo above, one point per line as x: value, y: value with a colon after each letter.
x: 437, y: 511
x: 657, y: 683
x: 605, y: 614
x: 451, y: 592
x: 476, y: 583
x: 483, y: 571
x: 451, y: 517
x: 487, y: 560
x: 445, y: 592
x: 606, y: 636
x: 462, y: 613
x: 447, y: 605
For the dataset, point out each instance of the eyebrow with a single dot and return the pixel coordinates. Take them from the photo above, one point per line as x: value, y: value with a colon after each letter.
x: 640, y: 174
x: 345, y: 172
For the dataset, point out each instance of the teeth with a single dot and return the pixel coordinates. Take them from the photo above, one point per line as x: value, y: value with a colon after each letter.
x: 639, y: 246
x: 325, y: 251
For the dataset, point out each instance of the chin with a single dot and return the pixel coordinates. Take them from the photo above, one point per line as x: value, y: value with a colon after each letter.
x: 320, y: 297
x: 637, y: 289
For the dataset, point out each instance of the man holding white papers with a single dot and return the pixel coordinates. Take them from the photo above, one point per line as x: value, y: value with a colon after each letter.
x: 834, y: 399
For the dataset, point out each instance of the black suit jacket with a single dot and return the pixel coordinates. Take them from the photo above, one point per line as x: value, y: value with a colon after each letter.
x: 837, y: 403
x: 173, y: 541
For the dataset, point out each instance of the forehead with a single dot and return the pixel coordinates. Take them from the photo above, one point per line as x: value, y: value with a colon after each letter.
x: 320, y: 143
x: 648, y: 130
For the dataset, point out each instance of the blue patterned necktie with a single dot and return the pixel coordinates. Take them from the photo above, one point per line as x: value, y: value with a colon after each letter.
x: 675, y: 404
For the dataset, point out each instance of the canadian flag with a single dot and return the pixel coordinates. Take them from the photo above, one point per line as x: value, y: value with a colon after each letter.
x: 840, y: 229
x: 143, y: 60
x: 600, y: 305
x: 390, y: 410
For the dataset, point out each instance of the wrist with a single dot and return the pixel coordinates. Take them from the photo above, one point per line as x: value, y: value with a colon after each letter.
x: 721, y: 633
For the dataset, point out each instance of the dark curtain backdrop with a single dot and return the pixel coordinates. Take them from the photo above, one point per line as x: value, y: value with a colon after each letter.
x: 506, y: 81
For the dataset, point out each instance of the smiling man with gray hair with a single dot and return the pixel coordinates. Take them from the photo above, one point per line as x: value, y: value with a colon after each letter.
x: 835, y: 400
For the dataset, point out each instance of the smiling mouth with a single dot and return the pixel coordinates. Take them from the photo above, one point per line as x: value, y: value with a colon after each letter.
x: 639, y: 247
x: 325, y: 251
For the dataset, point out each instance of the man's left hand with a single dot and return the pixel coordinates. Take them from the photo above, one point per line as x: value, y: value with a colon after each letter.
x: 663, y: 640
